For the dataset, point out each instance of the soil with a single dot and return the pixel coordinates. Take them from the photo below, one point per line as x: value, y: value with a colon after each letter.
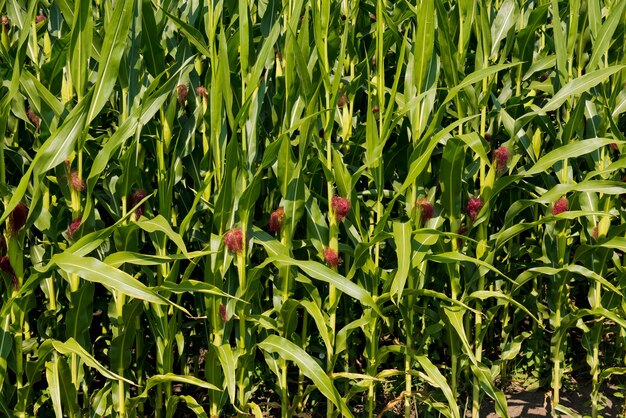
x: 522, y: 403
x: 538, y: 404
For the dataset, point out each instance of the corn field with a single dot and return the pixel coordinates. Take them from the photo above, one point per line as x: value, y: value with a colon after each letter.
x: 314, y: 209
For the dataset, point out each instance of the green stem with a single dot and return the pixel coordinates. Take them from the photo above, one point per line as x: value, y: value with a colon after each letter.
x: 139, y: 340
x: 286, y: 240
x: 561, y: 285
x: 408, y: 384
x: 121, y: 386
x: 3, y: 177
x: 305, y: 334
x: 372, y: 366
x: 241, y: 269
x: 332, y: 291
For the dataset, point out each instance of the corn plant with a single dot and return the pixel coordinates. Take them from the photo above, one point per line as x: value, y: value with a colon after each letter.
x: 339, y: 208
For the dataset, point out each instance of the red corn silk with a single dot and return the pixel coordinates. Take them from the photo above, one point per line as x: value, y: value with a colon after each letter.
x: 234, y: 240
x: 559, y: 206
x: 276, y: 220
x: 331, y: 257
x: 73, y: 227
x: 5, y: 265
x: 342, y: 100
x: 426, y: 209
x: 17, y: 218
x: 76, y: 182
x: 182, y: 93
x: 202, y: 91
x: 501, y: 155
x: 137, y: 196
x: 223, y: 313
x: 341, y: 206
x: 474, y: 205
x: 32, y: 116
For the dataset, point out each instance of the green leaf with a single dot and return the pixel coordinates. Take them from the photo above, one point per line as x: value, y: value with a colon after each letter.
x: 424, y: 43
x: 72, y: 347
x: 486, y: 383
x: 153, y: 54
x: 603, y: 41
x: 455, y: 318
x: 560, y: 45
x: 570, y: 320
x: 475, y: 77
x: 113, y: 46
x: 576, y: 269
x: 452, y: 165
x: 194, y: 286
x: 52, y: 153
x: 294, y: 200
x: 504, y: 21
x: 174, y: 378
x: 228, y: 361
x: 309, y: 367
x: 486, y: 294
x: 38, y: 95
x: 473, y: 141
x: 122, y: 257
x: 271, y: 244
x: 80, y: 46
x: 580, y: 85
x: 571, y: 150
x: 78, y: 322
x: 120, y: 349
x: 453, y: 257
x: 6, y: 344
x: 325, y: 274
x: 193, y: 404
x: 321, y: 322
x: 159, y: 224
x: 402, y: 236
x: 54, y: 386
x: 341, y: 339
x: 96, y: 271
x: 423, y: 153
x: 191, y: 34
x: 154, y: 98
x: 439, y: 381
x: 527, y: 36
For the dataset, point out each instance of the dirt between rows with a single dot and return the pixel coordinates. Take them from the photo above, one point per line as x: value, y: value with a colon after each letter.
x: 539, y: 404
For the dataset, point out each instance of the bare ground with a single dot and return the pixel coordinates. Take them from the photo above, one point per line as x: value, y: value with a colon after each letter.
x: 538, y: 404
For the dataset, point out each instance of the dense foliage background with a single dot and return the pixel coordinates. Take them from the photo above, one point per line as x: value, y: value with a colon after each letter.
x: 282, y: 207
